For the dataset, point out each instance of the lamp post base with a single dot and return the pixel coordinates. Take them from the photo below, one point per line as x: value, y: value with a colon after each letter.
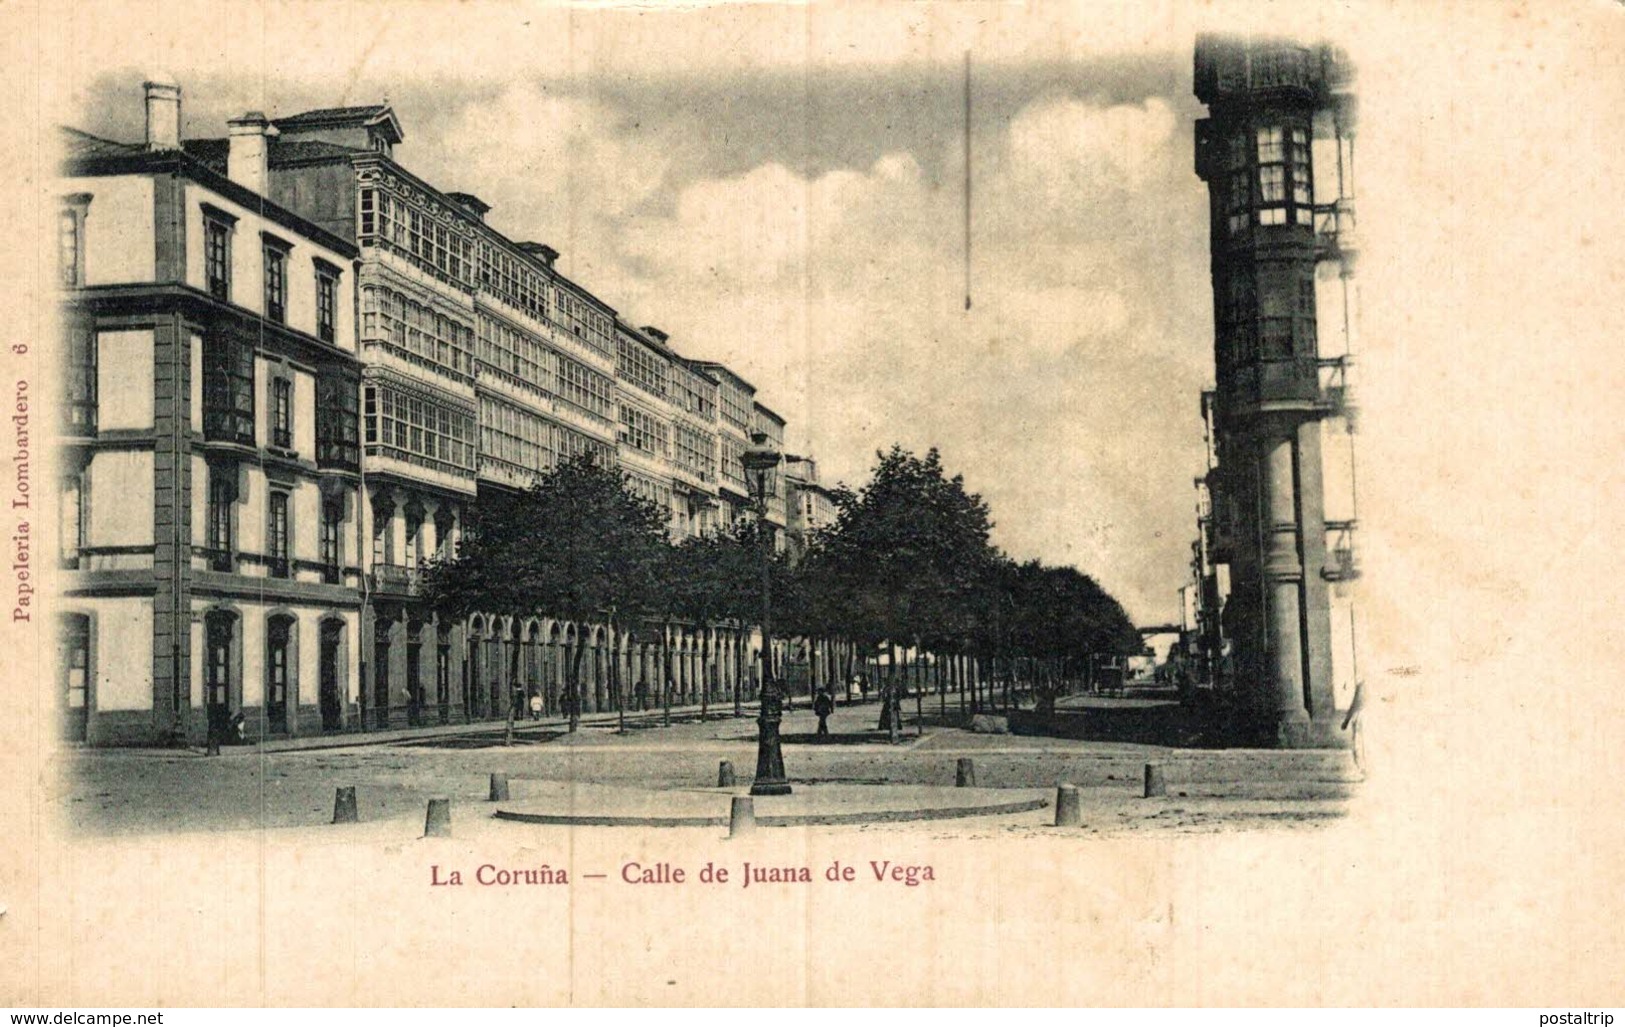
x: 770, y: 779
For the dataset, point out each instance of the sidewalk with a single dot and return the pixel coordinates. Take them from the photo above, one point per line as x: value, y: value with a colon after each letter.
x: 717, y: 712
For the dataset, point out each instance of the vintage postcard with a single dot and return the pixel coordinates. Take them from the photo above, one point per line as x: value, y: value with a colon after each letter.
x: 823, y: 504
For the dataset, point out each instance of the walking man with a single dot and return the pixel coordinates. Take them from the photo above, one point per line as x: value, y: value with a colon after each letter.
x: 823, y: 705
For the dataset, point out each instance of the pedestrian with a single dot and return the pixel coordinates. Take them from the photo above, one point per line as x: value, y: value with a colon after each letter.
x: 823, y: 705
x: 239, y: 729
x: 863, y: 686
x: 643, y: 694
x: 535, y: 705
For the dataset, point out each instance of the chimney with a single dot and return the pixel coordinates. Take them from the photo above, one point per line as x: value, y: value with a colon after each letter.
x: 656, y: 334
x: 163, y: 113
x: 471, y: 203
x: 248, y: 158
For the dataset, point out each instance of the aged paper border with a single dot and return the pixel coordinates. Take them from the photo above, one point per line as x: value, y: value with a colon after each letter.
x: 1482, y: 860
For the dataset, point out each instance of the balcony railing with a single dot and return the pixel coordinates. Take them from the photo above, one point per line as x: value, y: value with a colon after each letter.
x: 218, y: 559
x: 1341, y: 564
x: 394, y: 579
x: 1335, y: 230
x: 1336, y: 388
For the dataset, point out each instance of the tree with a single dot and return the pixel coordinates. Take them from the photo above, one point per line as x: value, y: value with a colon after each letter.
x: 578, y: 546
x: 903, y: 556
x: 709, y: 579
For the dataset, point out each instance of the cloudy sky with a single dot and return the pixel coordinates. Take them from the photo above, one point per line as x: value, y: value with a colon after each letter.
x: 785, y: 193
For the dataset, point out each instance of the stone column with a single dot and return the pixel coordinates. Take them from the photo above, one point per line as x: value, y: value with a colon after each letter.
x: 1283, y: 582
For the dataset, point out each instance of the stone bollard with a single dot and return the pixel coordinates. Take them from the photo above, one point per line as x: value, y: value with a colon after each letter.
x: 1068, y: 813
x: 741, y: 816
x: 965, y: 773
x: 438, y: 822
x: 499, y: 787
x: 1154, y: 784
x: 725, y: 774
x: 344, y: 805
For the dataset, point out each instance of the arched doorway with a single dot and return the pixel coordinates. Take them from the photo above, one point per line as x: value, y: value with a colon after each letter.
x: 331, y: 688
x: 219, y: 664
x: 280, y: 660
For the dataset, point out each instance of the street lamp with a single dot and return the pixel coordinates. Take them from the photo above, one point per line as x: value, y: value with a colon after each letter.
x: 759, y: 458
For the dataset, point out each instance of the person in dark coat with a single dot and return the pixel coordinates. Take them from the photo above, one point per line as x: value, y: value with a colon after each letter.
x: 823, y: 705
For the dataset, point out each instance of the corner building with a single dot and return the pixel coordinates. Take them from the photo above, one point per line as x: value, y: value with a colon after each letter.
x: 209, y: 506
x: 1276, y: 154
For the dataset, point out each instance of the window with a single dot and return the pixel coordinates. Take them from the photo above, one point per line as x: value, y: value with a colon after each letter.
x: 75, y: 663
x: 338, y: 441
x: 1283, y: 175
x: 282, y: 413
x: 220, y: 628
x: 414, y: 537
x: 445, y: 522
x: 327, y: 284
x: 222, y: 497
x: 80, y: 410
x: 515, y: 436
x: 417, y: 333
x: 584, y: 389
x: 276, y: 537
x: 332, y: 541
x: 380, y: 535
x: 1275, y: 323
x: 70, y: 240
x: 72, y: 533
x: 420, y: 431
x: 641, y: 431
x: 1302, y: 183
x: 228, y: 390
x: 217, y: 255
x: 276, y: 280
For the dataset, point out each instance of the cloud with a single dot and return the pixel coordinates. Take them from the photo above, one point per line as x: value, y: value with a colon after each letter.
x: 1066, y: 393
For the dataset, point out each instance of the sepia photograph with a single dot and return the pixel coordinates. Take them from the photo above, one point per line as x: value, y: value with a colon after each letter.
x: 824, y: 504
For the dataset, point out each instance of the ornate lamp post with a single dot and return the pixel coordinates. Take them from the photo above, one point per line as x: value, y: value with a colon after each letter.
x: 759, y: 458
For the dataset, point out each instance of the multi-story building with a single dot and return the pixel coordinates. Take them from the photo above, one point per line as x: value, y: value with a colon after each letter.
x: 696, y: 481
x: 766, y: 422
x: 211, y: 522
x: 508, y: 367
x: 736, y: 420
x: 1276, y: 153
x: 809, y: 505
x: 449, y: 362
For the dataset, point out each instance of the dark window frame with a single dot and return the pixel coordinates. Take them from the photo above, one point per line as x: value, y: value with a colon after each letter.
x: 228, y: 390
x: 327, y: 292
x: 278, y: 535
x: 71, y: 240
x: 221, y: 517
x: 332, y: 541
x: 276, y: 251
x: 282, y: 412
x: 218, y: 228
x: 80, y: 410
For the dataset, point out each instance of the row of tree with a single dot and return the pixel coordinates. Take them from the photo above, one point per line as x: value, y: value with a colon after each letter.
x: 906, y: 565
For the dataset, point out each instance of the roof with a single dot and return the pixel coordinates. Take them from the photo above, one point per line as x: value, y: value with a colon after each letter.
x: 283, y: 152
x: 762, y: 409
x: 77, y: 145
x: 654, y: 344
x: 90, y: 155
x: 380, y: 114
x: 712, y: 367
